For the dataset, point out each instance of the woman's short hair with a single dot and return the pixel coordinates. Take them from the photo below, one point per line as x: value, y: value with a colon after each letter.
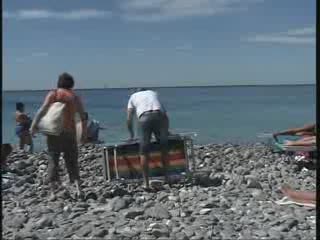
x: 19, y: 106
x: 65, y: 81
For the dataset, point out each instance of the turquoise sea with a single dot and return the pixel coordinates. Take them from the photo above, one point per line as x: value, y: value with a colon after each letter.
x: 217, y: 114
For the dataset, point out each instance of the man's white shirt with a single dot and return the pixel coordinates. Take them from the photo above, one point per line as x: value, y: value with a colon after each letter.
x: 144, y: 101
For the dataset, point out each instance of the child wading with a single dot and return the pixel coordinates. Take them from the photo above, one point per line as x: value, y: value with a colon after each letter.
x: 23, y: 122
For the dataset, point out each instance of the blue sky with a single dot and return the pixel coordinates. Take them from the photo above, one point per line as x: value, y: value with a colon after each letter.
x: 126, y: 43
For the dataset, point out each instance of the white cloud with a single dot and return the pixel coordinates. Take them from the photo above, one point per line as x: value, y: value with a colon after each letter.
x: 302, y: 31
x: 184, y: 48
x: 159, y: 10
x: 155, y: 38
x: 39, y: 54
x: 139, y: 10
x: 281, y: 39
x: 296, y: 36
x: 80, y: 14
x: 32, y: 55
x: 139, y: 50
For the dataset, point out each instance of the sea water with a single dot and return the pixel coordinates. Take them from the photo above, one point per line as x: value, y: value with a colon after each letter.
x: 216, y: 114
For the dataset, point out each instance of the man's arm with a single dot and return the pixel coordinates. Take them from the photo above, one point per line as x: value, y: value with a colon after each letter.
x: 130, y: 112
x: 293, y: 131
x: 41, y: 112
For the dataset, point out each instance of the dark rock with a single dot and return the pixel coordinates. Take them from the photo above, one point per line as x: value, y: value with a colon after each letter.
x: 21, y: 165
x: 197, y: 237
x: 26, y: 236
x: 181, y: 236
x: 100, y: 233
x: 117, y: 204
x: 162, y: 196
x: 43, y: 222
x: 132, y: 213
x: 216, y: 180
x: 253, y: 183
x: 205, y: 211
x: 120, y: 223
x: 160, y: 232
x: 189, y: 232
x: 228, y: 150
x: 16, y: 222
x: 84, y: 231
x: 119, y: 192
x: 147, y: 237
x: 291, y: 223
x: 122, y: 211
x: 75, y: 215
x: 158, y: 212
x: 91, y: 195
x: 247, y: 154
x: 129, y: 232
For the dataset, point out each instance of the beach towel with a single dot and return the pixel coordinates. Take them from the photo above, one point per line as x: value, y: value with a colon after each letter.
x: 123, y: 161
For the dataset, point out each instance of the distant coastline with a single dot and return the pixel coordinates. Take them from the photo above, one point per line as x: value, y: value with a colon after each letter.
x: 159, y: 87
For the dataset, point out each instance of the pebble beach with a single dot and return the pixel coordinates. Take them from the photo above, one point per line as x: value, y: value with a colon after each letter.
x: 230, y: 196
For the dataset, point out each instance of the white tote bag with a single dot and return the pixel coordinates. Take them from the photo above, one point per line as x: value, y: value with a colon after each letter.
x: 52, y: 122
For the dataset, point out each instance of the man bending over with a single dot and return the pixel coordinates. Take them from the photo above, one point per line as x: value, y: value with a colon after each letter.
x: 152, y: 118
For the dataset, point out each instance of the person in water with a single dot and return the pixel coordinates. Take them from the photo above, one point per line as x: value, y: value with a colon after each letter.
x: 66, y: 142
x: 152, y: 118
x: 93, y: 128
x: 307, y: 133
x: 23, y: 123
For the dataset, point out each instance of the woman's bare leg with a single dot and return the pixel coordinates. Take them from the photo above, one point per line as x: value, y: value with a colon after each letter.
x: 300, y: 195
x: 21, y: 143
x: 307, y: 141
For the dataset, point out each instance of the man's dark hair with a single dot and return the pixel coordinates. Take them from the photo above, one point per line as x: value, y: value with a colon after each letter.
x: 141, y: 89
x: 65, y: 81
x: 19, y: 106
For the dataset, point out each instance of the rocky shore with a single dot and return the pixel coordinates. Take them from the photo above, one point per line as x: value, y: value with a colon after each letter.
x: 231, y: 196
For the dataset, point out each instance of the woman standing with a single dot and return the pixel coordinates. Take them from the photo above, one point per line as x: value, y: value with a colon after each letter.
x: 66, y: 142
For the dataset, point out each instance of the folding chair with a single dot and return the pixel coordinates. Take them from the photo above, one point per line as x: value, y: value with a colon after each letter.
x: 122, y: 161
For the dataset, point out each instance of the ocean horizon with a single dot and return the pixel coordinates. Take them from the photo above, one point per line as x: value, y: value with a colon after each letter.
x: 159, y: 87
x: 216, y: 114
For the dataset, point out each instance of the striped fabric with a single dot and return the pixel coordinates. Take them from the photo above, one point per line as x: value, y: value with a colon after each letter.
x: 128, y: 160
x: 279, y: 144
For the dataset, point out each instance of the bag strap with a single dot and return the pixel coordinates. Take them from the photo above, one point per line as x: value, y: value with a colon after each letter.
x: 55, y: 95
x: 63, y: 100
